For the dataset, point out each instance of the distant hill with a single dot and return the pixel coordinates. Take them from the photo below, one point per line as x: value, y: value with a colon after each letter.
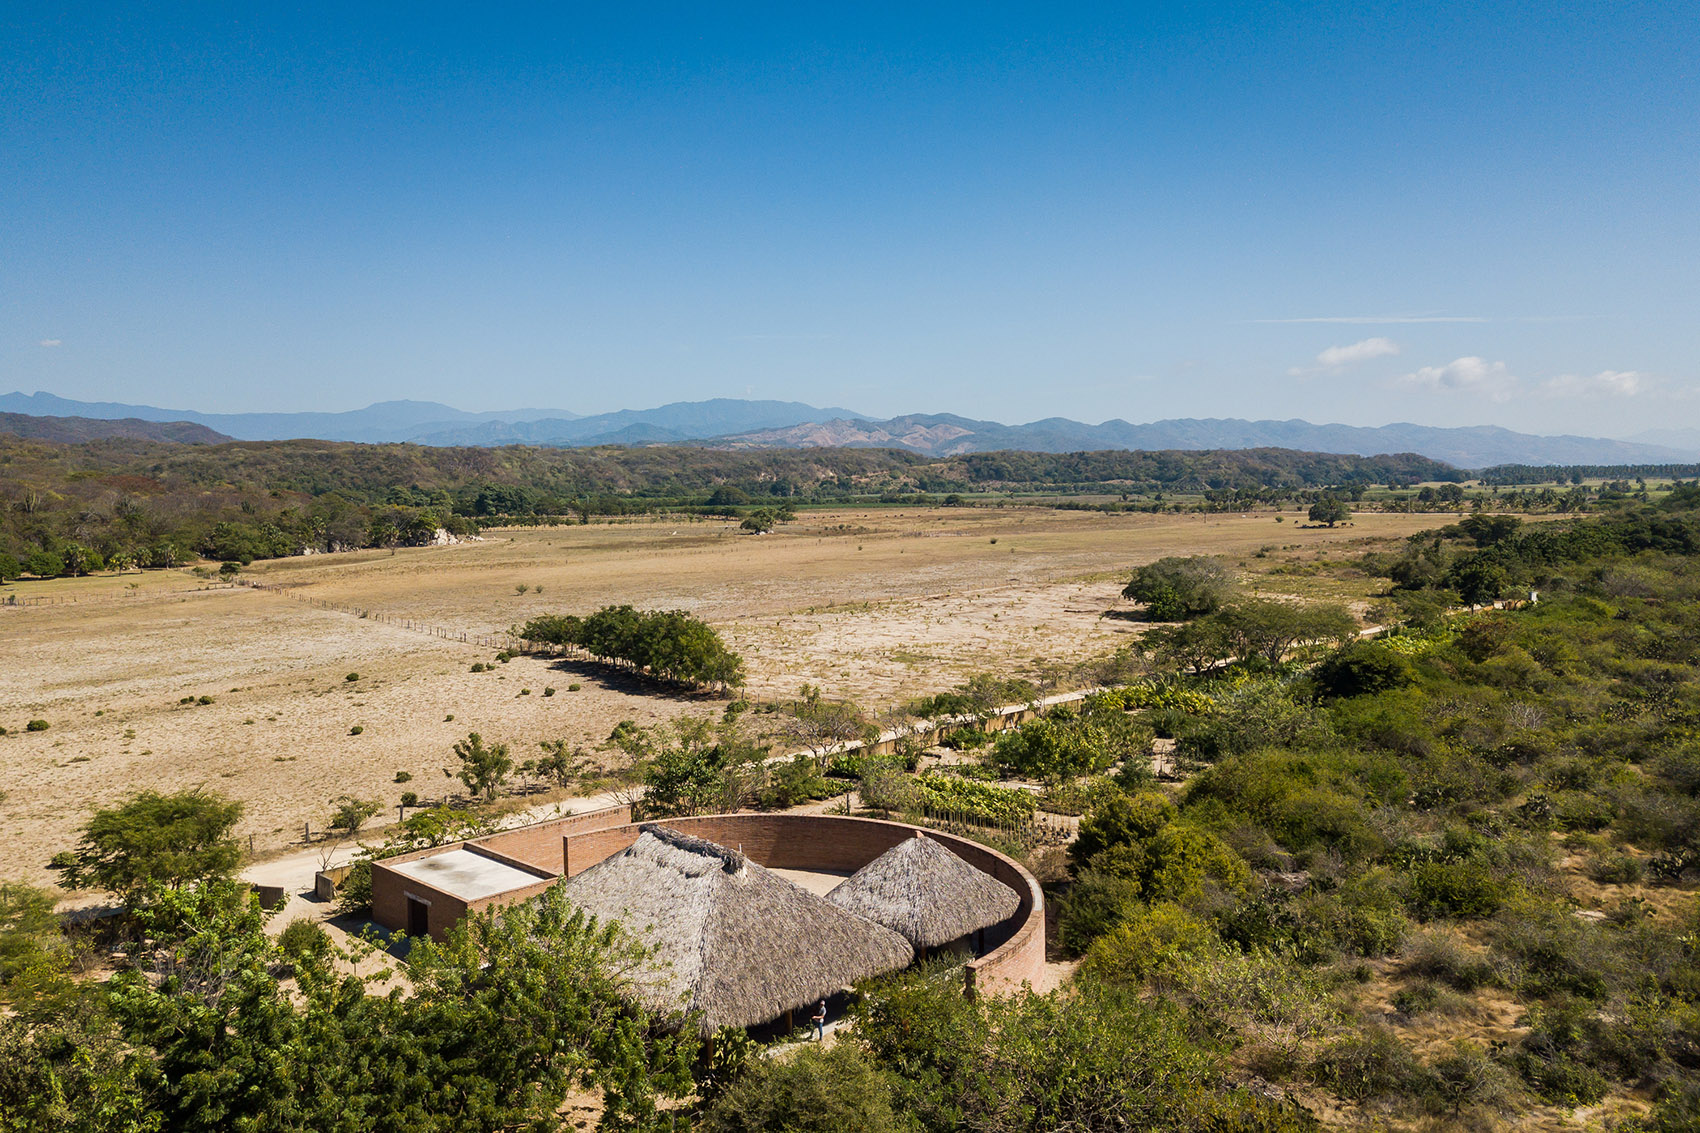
x: 75, y: 430
x: 667, y: 424
x: 945, y: 434
x: 737, y: 423
x: 375, y: 424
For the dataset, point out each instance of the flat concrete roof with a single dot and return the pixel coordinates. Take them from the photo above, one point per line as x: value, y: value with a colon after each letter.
x: 466, y: 875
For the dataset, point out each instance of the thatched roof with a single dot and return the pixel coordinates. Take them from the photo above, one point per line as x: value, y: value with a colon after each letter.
x: 732, y: 940
x: 920, y: 889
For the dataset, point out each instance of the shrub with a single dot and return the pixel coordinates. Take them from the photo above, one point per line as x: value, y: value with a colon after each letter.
x: 814, y: 1091
x: 1466, y: 1077
x: 354, y: 895
x: 203, y: 700
x: 889, y: 791
x: 1614, y: 869
x: 304, y: 942
x: 574, y: 687
x: 1371, y: 1064
x: 1143, y: 943
x: 403, y: 776
x: 1425, y: 998
x: 1362, y: 668
x: 1438, y: 954
x: 36, y: 726
x: 409, y: 798
x: 1097, y: 904
x: 549, y: 691
x: 1454, y: 889
x: 352, y: 677
x: 356, y: 730
x: 478, y: 666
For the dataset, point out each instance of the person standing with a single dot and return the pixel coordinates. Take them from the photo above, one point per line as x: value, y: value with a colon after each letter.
x: 819, y: 1021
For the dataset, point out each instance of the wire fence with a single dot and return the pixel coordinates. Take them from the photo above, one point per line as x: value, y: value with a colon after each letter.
x: 414, y: 625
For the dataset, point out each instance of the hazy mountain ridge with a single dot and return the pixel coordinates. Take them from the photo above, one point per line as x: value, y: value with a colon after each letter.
x: 1466, y: 447
x: 76, y: 430
x: 377, y: 423
x: 738, y: 423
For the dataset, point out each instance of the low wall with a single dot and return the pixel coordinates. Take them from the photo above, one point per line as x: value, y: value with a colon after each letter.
x: 829, y: 843
x: 539, y: 844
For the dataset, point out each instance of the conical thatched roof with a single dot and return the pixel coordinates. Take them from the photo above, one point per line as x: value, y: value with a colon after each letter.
x: 923, y: 891
x: 732, y: 940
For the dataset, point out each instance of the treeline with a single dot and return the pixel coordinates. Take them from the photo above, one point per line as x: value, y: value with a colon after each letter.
x: 1576, y: 473
x: 1484, y: 558
x: 70, y: 509
x: 669, y: 645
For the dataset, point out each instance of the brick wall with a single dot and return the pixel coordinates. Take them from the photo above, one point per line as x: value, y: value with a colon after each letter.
x: 540, y: 844
x: 390, y: 891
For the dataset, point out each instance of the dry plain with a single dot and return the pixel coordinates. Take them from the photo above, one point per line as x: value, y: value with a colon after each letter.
x: 878, y: 605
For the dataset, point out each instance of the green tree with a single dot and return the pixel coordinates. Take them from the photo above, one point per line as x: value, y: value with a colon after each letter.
x: 1330, y: 510
x: 482, y: 769
x: 350, y: 814
x: 1479, y: 581
x: 1178, y: 589
x: 158, y: 840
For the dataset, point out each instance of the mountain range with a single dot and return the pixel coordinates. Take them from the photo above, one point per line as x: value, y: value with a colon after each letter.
x: 734, y: 423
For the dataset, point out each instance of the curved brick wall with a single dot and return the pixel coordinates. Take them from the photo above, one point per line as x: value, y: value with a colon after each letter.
x: 841, y: 844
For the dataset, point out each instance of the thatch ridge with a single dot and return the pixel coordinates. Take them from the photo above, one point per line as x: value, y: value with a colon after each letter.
x: 925, y: 892
x: 732, y: 940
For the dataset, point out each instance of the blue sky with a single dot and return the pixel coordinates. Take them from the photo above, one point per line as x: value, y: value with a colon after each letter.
x: 1450, y: 214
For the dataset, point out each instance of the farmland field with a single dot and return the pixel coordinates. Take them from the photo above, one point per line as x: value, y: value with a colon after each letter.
x: 878, y: 605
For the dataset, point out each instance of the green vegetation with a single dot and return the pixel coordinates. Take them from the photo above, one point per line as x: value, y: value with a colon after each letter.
x: 1443, y: 878
x: 668, y: 645
x: 156, y: 840
x: 1180, y: 589
x: 126, y: 504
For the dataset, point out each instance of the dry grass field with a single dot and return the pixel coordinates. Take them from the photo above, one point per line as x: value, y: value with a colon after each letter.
x: 879, y: 605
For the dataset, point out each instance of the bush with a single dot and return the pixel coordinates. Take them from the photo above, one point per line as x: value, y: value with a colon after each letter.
x: 409, y: 798
x: 1438, y: 954
x: 814, y: 1091
x: 1371, y: 1064
x: 1466, y: 1077
x: 1614, y: 869
x: 304, y: 942
x: 1361, y: 669
x: 574, y: 687
x: 1098, y: 903
x: 889, y: 791
x: 1454, y: 889
x: 1142, y: 944
x: 404, y: 777
x: 356, y: 730
x: 354, y: 895
x: 549, y: 692
x: 352, y: 677
x: 36, y: 726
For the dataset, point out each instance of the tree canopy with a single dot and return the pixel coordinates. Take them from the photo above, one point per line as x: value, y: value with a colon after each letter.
x: 157, y: 839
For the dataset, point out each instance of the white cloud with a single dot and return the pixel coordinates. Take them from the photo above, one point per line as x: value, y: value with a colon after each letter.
x: 1465, y: 375
x: 52, y: 342
x: 1606, y: 383
x: 1337, y: 358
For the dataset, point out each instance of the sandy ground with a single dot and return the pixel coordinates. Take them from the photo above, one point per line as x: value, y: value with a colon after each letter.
x: 882, y: 606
